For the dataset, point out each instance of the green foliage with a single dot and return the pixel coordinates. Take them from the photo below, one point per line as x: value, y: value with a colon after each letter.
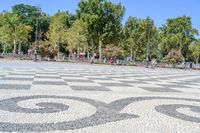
x: 103, y: 19
x: 113, y: 51
x: 195, y: 50
x: 133, y: 37
x: 77, y: 36
x: 12, y: 30
x: 28, y: 16
x: 174, y: 57
x: 58, y: 27
x: 137, y: 34
x: 177, y: 33
x: 97, y: 12
x: 96, y: 25
x: 45, y: 49
x: 4, y: 33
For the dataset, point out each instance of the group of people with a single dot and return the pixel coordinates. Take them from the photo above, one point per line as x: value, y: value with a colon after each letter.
x: 111, y: 61
x: 153, y: 62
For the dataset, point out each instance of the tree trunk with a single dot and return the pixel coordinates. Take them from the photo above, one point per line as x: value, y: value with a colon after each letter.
x: 131, y: 53
x: 4, y: 49
x: 19, y: 48
x: 100, y: 43
x: 78, y: 48
x: 69, y: 56
x: 88, y: 55
x: 93, y: 49
x: 14, y: 48
x: 134, y: 56
x: 197, y: 60
x: 58, y: 51
x: 74, y: 56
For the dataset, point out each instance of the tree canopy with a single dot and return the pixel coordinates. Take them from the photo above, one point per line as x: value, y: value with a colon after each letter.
x: 96, y: 27
x: 177, y: 33
x: 103, y: 19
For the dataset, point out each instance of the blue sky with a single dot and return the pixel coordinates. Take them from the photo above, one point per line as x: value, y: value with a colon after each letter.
x: 158, y: 10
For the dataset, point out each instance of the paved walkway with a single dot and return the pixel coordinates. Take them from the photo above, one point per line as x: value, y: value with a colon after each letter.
x: 71, y: 98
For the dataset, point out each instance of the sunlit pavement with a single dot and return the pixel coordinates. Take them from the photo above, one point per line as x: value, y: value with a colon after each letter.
x: 71, y: 98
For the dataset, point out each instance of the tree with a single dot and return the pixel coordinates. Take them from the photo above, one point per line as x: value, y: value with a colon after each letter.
x: 195, y: 50
x: 14, y: 30
x: 133, y: 37
x: 112, y: 51
x: 5, y: 37
x: 177, y: 33
x: 96, y: 24
x: 150, y: 31
x: 23, y: 35
x: 11, y: 22
x: 139, y: 34
x: 58, y: 27
x: 174, y: 57
x: 77, y: 37
x: 28, y: 16
x: 45, y: 49
x: 103, y: 19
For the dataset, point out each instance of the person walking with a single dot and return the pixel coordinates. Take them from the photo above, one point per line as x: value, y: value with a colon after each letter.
x: 110, y: 61
x: 153, y: 63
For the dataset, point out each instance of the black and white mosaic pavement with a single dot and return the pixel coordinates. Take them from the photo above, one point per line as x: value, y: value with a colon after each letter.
x: 56, y: 97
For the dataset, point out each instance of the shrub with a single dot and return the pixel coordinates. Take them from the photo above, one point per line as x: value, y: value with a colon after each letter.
x: 45, y: 49
x: 174, y: 57
x: 112, y: 50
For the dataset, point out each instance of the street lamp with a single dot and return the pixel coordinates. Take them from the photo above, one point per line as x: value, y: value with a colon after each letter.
x: 148, y: 46
x: 36, y: 34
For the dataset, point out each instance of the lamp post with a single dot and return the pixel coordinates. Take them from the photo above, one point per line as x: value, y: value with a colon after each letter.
x: 148, y: 46
x: 36, y: 35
